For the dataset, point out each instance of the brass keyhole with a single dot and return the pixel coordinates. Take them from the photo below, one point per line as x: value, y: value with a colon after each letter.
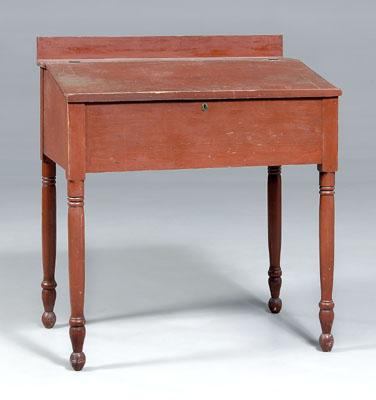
x: 204, y: 107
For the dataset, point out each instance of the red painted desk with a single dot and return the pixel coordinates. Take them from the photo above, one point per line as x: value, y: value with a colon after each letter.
x: 155, y: 103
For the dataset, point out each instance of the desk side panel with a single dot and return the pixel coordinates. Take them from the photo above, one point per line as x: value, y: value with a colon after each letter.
x: 54, y: 48
x: 330, y: 135
x: 55, y: 137
x: 169, y: 135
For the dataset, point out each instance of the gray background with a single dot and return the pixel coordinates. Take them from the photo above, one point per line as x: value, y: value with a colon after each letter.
x: 177, y: 261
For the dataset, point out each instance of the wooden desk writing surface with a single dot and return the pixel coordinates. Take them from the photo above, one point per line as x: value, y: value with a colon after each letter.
x: 205, y: 78
x: 124, y: 104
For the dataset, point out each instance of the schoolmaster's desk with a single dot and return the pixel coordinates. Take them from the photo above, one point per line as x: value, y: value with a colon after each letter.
x: 159, y: 103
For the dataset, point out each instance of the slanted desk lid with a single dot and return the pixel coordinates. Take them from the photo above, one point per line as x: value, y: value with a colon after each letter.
x: 188, y: 79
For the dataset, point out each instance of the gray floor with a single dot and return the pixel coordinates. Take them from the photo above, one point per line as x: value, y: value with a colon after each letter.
x: 177, y: 286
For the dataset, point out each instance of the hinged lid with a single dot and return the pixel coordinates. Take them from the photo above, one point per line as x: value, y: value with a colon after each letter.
x: 215, y: 78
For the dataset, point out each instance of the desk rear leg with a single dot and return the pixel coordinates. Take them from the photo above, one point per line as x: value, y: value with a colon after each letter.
x: 327, y: 185
x: 48, y: 241
x: 274, y: 236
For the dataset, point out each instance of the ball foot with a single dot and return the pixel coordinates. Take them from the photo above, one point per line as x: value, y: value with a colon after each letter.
x: 77, y: 361
x: 326, y: 342
x: 275, y: 305
x: 48, y: 319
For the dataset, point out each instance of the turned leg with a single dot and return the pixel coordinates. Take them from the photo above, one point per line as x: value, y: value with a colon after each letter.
x: 48, y: 241
x: 274, y: 237
x: 76, y: 250
x: 327, y: 184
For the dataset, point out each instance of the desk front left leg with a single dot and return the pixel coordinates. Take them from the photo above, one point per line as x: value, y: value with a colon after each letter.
x: 48, y: 241
x: 76, y: 250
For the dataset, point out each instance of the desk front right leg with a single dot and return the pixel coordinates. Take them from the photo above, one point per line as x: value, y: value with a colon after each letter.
x: 76, y: 255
